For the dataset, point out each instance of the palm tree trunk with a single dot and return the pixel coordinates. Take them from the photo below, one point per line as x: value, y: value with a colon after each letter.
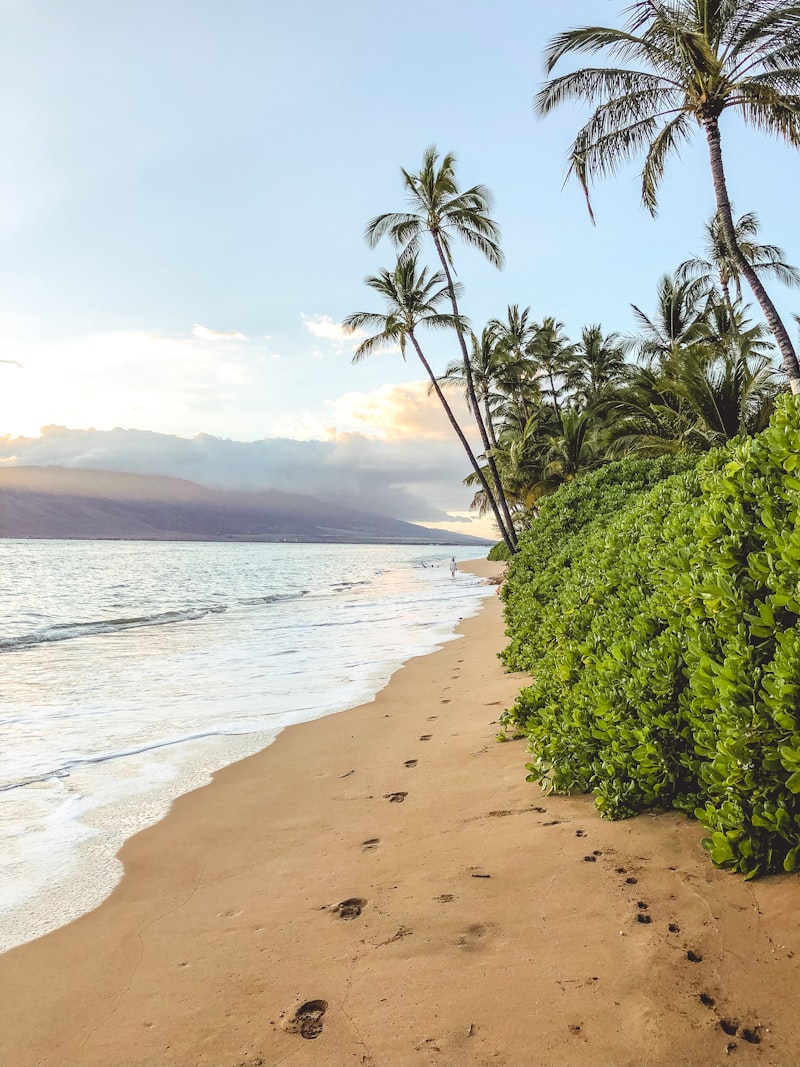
x: 489, y: 421
x: 774, y: 322
x: 460, y: 434
x: 499, y: 493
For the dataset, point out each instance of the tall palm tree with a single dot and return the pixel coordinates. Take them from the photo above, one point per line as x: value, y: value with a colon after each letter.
x: 413, y: 299
x: 445, y: 212
x: 551, y: 354
x: 597, y: 365
x: 516, y: 371
x: 701, y: 57
x: 718, y: 262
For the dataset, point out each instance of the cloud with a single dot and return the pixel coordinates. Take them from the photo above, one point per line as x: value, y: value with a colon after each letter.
x: 206, y: 334
x: 11, y: 362
x: 398, y: 412
x: 326, y: 329
x: 414, y: 479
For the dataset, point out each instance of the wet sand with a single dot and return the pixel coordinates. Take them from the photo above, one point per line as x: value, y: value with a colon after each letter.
x: 382, y: 887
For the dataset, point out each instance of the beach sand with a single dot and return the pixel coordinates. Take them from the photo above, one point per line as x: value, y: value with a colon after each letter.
x: 382, y: 887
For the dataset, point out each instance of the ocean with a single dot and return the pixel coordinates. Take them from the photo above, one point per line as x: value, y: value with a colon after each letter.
x: 131, y: 671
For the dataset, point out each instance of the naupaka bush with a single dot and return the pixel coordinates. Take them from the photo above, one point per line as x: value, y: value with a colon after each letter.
x: 663, y: 640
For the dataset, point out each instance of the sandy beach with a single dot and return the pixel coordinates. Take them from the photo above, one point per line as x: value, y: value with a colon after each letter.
x: 382, y: 887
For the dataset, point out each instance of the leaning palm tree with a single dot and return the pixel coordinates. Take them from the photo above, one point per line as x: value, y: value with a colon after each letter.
x: 445, y: 212
x: 413, y: 299
x: 486, y: 363
x: 718, y: 264
x: 701, y: 57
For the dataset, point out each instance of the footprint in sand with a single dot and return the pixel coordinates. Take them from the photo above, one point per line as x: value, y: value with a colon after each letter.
x: 410, y: 763
x: 746, y: 1033
x: 674, y: 928
x: 694, y: 957
x: 580, y: 833
x: 351, y: 908
x: 541, y: 811
x: 444, y: 898
x: 307, y: 1019
x: 370, y: 844
x: 425, y: 737
x: 643, y: 918
x: 706, y: 1000
x: 395, y: 798
x: 590, y: 859
x: 475, y: 936
x: 445, y: 700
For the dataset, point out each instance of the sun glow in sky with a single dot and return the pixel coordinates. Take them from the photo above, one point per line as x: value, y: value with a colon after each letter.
x: 182, y: 202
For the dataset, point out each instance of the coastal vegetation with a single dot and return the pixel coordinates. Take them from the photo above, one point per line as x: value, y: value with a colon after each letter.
x: 657, y: 607
x: 646, y: 485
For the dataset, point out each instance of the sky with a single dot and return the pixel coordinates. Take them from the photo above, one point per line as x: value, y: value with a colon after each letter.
x: 184, y: 190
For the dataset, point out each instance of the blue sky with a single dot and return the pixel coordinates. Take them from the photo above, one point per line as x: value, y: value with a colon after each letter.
x: 184, y: 191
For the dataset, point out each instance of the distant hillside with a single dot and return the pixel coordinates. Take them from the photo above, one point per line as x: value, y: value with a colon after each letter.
x: 61, y: 502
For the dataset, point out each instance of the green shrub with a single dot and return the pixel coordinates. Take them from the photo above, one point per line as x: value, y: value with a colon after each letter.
x: 665, y: 648
x: 565, y: 521
x: 498, y: 553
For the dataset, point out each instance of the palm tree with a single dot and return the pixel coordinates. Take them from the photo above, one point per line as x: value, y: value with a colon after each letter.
x: 718, y: 263
x: 516, y: 372
x: 551, y: 353
x: 597, y: 365
x: 442, y: 210
x: 486, y: 364
x: 696, y: 397
x: 702, y: 57
x: 679, y: 320
x: 412, y: 299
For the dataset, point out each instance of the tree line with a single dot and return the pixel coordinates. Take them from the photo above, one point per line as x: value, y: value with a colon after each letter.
x: 698, y: 371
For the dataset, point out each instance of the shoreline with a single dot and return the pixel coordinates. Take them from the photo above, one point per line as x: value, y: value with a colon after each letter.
x: 79, y: 813
x: 389, y: 868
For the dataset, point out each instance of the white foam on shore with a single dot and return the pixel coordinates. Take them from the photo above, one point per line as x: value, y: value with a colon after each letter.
x: 84, y: 870
x: 131, y: 743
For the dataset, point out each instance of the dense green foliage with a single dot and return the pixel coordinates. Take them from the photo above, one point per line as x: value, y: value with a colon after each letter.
x: 566, y: 520
x: 499, y: 553
x: 661, y: 628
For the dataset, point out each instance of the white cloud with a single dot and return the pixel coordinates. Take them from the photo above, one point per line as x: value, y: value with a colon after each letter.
x: 324, y: 327
x: 206, y: 334
x: 401, y: 412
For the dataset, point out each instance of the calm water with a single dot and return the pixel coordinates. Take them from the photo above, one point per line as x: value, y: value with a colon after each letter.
x: 130, y: 671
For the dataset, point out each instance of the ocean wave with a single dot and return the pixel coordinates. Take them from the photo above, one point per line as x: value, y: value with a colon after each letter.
x: 67, y: 631
x: 273, y: 598
x: 66, y: 769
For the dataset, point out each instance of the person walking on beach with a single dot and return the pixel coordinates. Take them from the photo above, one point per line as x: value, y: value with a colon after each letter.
x: 452, y: 566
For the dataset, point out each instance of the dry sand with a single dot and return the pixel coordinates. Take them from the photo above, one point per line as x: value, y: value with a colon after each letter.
x: 382, y: 888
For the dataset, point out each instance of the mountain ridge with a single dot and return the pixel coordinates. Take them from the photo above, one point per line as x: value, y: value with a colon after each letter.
x: 74, y: 503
